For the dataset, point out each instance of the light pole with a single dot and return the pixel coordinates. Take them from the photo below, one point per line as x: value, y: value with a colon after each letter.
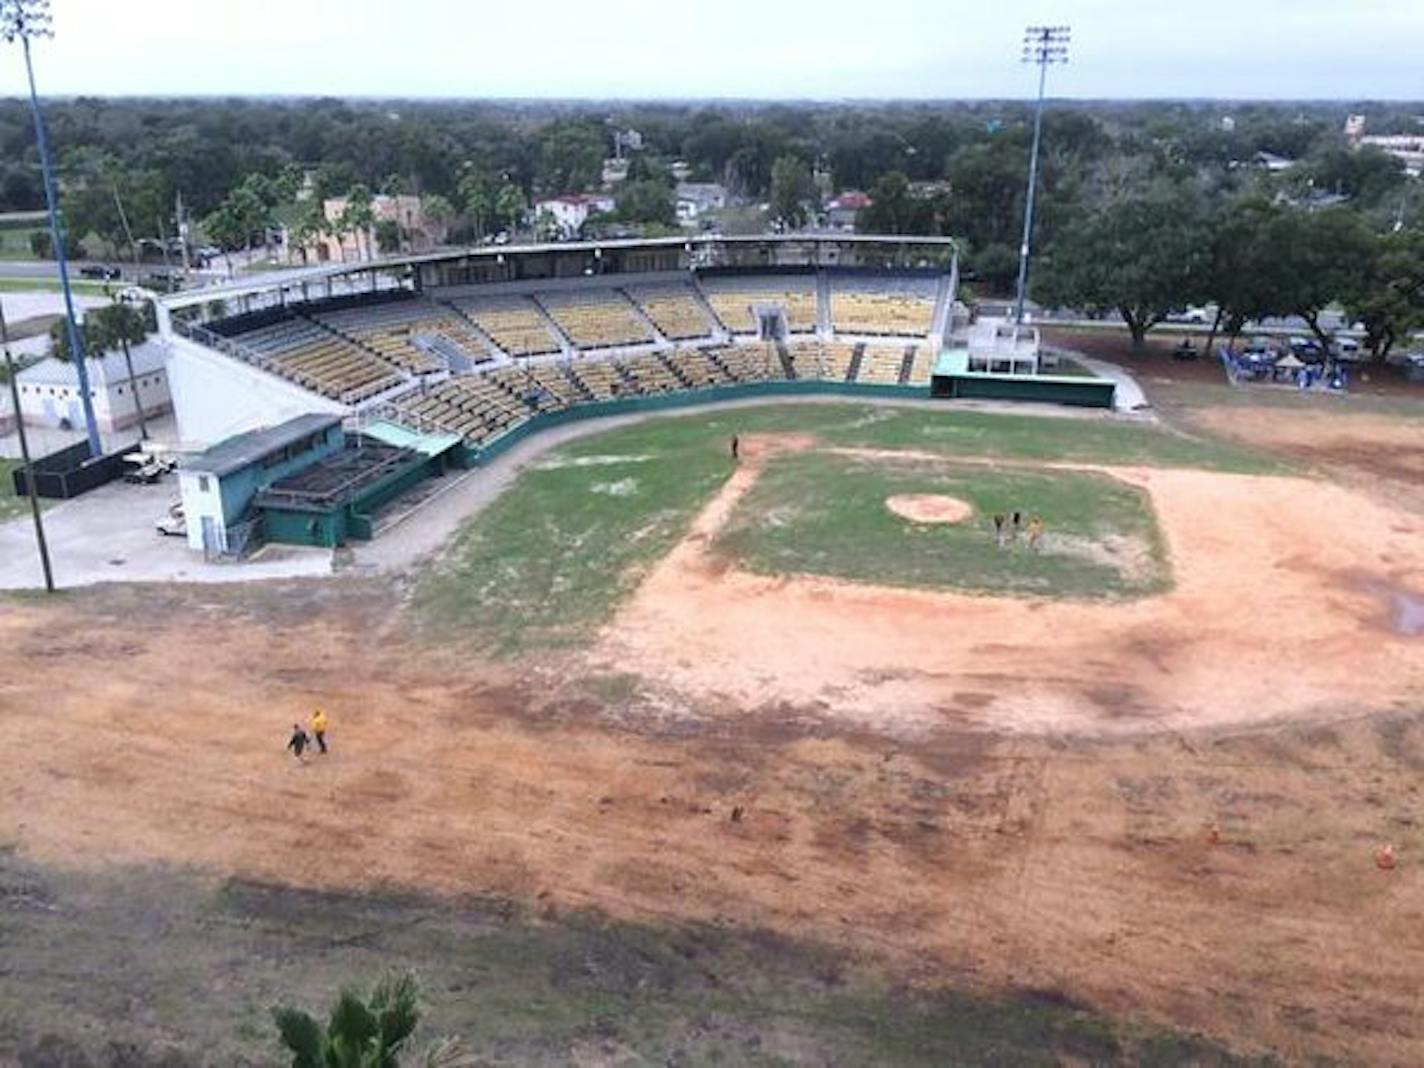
x: 29, y: 467
x: 21, y: 20
x: 1042, y: 45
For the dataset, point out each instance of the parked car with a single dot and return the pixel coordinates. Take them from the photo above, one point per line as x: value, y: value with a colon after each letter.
x: 173, y: 525
x: 1306, y: 350
x: 100, y: 270
x: 1347, y: 349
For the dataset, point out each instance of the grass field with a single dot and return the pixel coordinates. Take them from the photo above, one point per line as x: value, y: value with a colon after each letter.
x: 10, y: 504
x: 44, y: 285
x: 15, y: 243
x: 547, y: 563
x: 572, y: 989
x: 822, y: 514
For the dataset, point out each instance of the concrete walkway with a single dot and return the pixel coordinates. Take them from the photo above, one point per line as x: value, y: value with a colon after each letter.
x: 1128, y: 397
x: 111, y: 535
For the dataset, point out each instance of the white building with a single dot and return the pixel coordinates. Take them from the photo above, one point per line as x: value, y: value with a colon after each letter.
x: 49, y: 390
x: 572, y: 210
x: 695, y: 199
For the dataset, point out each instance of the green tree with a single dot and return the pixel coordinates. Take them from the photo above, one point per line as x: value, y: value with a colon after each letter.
x: 793, y: 192
x: 388, y: 236
x: 362, y: 1032
x: 438, y: 210
x: 1143, y: 256
x: 358, y: 217
x: 1388, y: 295
x: 647, y: 202
x: 894, y: 209
x: 225, y: 229
x: 1317, y: 259
x: 308, y: 224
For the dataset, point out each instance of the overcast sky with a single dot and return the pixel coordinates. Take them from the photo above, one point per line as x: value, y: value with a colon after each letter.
x: 1351, y: 49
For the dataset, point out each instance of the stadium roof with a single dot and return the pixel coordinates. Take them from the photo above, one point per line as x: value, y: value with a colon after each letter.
x: 300, y: 276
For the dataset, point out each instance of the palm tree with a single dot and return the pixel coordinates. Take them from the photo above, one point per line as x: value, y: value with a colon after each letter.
x: 359, y: 215
x: 366, y: 1033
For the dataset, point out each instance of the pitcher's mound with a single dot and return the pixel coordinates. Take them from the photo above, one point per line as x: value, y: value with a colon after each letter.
x: 929, y: 507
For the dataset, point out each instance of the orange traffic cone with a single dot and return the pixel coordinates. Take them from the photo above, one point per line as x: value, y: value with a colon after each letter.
x: 1385, y: 858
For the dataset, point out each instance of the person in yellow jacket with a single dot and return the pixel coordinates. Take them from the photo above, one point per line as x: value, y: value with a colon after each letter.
x: 318, y: 727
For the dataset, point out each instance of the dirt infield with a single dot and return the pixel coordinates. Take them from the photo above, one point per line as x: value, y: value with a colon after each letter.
x: 1284, y: 607
x: 929, y: 508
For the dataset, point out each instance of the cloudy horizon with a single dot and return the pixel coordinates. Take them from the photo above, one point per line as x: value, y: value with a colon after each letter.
x: 735, y: 50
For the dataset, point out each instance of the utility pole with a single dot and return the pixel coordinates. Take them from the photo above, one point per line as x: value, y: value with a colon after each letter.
x: 127, y: 312
x: 1043, y: 45
x: 25, y: 460
x: 21, y: 20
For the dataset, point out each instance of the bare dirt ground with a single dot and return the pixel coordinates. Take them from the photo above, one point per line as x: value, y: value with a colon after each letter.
x: 929, y: 507
x: 1025, y: 815
x: 1283, y: 608
x: 1378, y: 454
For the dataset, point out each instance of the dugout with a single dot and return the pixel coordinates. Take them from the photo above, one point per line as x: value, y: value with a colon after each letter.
x: 337, y: 498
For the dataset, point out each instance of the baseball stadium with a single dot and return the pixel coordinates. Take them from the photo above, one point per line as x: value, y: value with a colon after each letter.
x: 740, y: 648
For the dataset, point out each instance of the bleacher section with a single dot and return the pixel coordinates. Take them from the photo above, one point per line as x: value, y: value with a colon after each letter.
x: 814, y: 360
x: 596, y: 319
x: 318, y: 359
x: 921, y: 367
x: 648, y: 374
x: 391, y: 329
x: 513, y: 322
x: 701, y: 367
x: 733, y: 299
x: 882, y: 307
x: 673, y: 310
x: 881, y: 365
x: 477, y: 407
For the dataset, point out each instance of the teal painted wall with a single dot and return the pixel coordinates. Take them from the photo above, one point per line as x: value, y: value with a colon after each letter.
x: 1090, y: 392
x: 238, y: 488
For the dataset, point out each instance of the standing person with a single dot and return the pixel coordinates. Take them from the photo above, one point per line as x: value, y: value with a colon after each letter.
x: 736, y: 448
x: 318, y: 727
x: 298, y: 742
x: 1035, y: 533
x: 999, y: 529
x: 1017, y: 520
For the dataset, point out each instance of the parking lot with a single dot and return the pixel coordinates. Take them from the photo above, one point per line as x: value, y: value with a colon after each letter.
x: 110, y: 535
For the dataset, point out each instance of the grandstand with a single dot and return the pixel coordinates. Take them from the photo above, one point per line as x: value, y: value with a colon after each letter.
x: 478, y: 342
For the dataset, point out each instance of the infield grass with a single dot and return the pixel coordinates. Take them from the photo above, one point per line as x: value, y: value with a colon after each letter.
x: 550, y: 561
x: 824, y: 514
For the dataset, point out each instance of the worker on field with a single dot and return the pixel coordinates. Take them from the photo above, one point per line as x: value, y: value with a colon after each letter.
x: 318, y: 727
x: 999, y: 529
x: 736, y: 448
x: 1035, y: 533
x: 298, y: 742
x: 1017, y: 520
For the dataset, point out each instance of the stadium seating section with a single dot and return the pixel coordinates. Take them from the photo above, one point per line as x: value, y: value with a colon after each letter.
x: 674, y: 311
x: 734, y: 302
x: 319, y: 359
x: 513, y: 323
x: 392, y: 331
x: 884, y: 312
x: 596, y: 319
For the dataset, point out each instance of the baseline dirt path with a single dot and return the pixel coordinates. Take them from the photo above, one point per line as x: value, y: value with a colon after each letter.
x: 1281, y: 609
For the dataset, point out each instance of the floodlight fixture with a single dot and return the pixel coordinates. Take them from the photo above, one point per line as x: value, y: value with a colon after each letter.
x: 24, y: 21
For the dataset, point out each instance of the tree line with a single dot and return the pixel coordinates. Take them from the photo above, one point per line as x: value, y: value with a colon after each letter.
x: 243, y: 166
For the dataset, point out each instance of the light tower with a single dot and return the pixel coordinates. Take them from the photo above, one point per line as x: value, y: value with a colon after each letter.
x: 21, y: 20
x: 1043, y: 45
